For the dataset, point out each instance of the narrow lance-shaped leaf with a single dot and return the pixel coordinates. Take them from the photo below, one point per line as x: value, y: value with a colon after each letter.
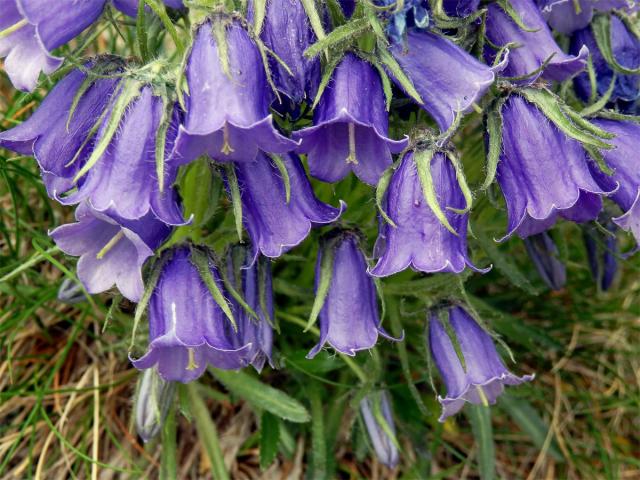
x: 480, y: 417
x: 269, y: 438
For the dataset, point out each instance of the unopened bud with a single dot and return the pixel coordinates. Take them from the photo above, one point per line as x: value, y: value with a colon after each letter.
x: 376, y: 412
x: 153, y: 399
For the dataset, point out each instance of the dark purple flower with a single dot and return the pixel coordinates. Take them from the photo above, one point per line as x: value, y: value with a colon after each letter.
x: 187, y: 328
x: 254, y: 283
x: 448, y: 79
x: 349, y: 319
x: 482, y: 377
x: 385, y: 447
x: 227, y: 113
x: 286, y: 31
x: 460, y: 8
x: 544, y: 254
x: 602, y: 253
x: 625, y: 47
x: 348, y: 7
x: 623, y: 160
x: 350, y: 126
x: 29, y: 31
x: 419, y: 239
x: 533, y: 48
x: 543, y: 173
x: 274, y: 224
x: 111, y: 250
x: 567, y: 16
x: 130, y: 7
x: 153, y: 399
x: 410, y: 14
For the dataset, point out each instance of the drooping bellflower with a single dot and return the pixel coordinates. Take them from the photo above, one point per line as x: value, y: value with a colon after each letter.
x: 544, y: 254
x: 227, y: 109
x: 568, y: 16
x: 350, y: 126
x: 543, y: 173
x: 536, y: 53
x: 349, y: 318
x: 385, y: 448
x: 419, y: 239
x: 112, y: 250
x: 187, y: 328
x: 482, y: 377
x: 602, y: 253
x: 274, y: 223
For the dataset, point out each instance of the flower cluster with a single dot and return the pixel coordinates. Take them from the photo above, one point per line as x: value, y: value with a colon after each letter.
x: 264, y: 94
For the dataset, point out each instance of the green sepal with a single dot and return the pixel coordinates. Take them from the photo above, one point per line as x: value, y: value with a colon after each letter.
x: 494, y: 129
x: 141, y: 32
x: 598, y: 105
x: 381, y: 189
x: 160, y: 10
x: 236, y: 199
x: 324, y: 81
x: 161, y: 140
x: 129, y: 92
x: 382, y: 422
x: 219, y: 32
x: 396, y: 70
x: 314, y: 18
x: 338, y: 35
x: 514, y: 15
x: 201, y: 261
x: 534, y: 73
x: 386, y: 85
x: 462, y: 183
x: 324, y: 283
x: 259, y: 13
x: 284, y: 173
x: 86, y: 84
x: 601, y: 28
x: 422, y: 160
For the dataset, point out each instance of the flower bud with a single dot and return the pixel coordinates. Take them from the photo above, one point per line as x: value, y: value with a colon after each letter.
x: 375, y: 409
x: 153, y: 399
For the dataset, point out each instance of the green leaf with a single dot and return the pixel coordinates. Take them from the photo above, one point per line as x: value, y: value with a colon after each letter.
x: 422, y: 160
x: 236, y: 199
x: 318, y: 437
x: 169, y: 462
x: 601, y: 28
x: 262, y: 396
x: 326, y: 272
x: 396, y: 70
x: 480, y: 418
x: 494, y: 129
x: 530, y: 423
x: 269, y: 439
x: 207, y: 432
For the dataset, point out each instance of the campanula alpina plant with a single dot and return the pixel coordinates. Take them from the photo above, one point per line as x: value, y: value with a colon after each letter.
x: 112, y: 250
x: 471, y: 368
x: 350, y: 126
x: 376, y: 409
x: 543, y: 252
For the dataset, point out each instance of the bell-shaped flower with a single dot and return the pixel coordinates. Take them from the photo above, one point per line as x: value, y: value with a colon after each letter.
x: 111, y: 250
x: 227, y: 109
x: 276, y: 223
x: 252, y: 279
x: 623, y: 160
x: 375, y: 409
x: 153, y: 399
x: 544, y: 254
x: 350, y: 126
x: 188, y: 328
x: 543, y: 173
x: 419, y: 238
x: 481, y: 376
x: 568, y: 16
x: 534, y: 51
x: 286, y: 31
x: 30, y: 31
x: 448, y: 79
x: 349, y: 318
x: 625, y: 47
x: 602, y: 253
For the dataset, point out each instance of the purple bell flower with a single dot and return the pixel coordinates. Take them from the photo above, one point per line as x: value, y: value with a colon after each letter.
x: 482, y: 377
x: 460, y: 8
x: 275, y: 225
x: 29, y: 31
x: 287, y: 32
x: 625, y: 47
x: 187, y: 328
x: 384, y: 447
x: 111, y: 250
x: 227, y: 113
x: 543, y: 173
x: 350, y: 126
x: 565, y: 17
x: 349, y: 319
x: 448, y: 79
x: 602, y: 253
x: 533, y: 48
x: 544, y: 254
x: 419, y: 239
x: 623, y: 160
x: 130, y: 7
x: 254, y: 283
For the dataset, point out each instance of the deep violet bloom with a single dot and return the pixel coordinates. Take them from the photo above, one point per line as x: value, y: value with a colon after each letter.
x: 484, y: 375
x: 602, y: 253
x: 460, y: 8
x: 543, y: 173
x: 533, y: 48
x: 187, y: 328
x: 111, y: 250
x: 623, y: 160
x: 154, y: 397
x: 350, y: 126
x: 274, y: 225
x: 349, y: 319
x: 625, y: 47
x: 130, y: 7
x: 544, y: 255
x: 287, y: 32
x: 384, y: 447
x: 448, y: 79
x: 413, y: 14
x: 419, y: 239
x: 563, y: 16
x: 254, y: 283
x: 227, y: 115
x: 32, y: 31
